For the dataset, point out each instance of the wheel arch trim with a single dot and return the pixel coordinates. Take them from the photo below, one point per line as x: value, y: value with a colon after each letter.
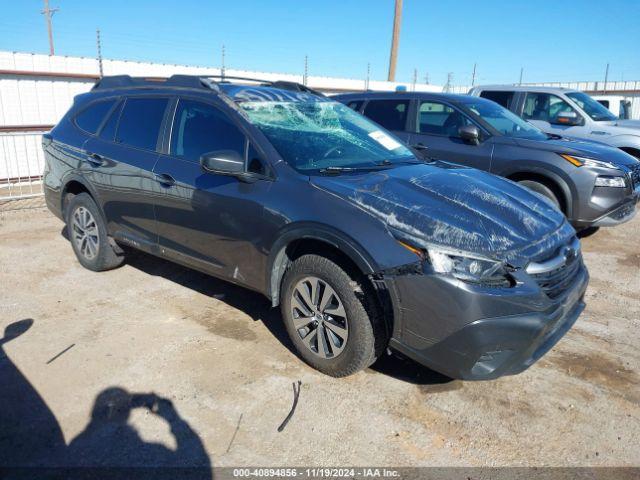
x: 278, y: 260
x: 549, y: 176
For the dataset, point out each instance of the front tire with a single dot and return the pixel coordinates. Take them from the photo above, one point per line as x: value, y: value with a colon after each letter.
x: 88, y: 235
x: 542, y: 190
x: 332, y: 320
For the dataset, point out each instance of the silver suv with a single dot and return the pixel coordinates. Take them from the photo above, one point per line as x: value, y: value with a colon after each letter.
x: 566, y: 112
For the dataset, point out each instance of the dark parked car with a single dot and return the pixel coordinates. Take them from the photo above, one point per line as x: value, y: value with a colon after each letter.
x: 278, y: 189
x: 594, y: 185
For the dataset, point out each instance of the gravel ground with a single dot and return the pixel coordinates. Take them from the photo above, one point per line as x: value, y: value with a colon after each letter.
x: 220, y: 354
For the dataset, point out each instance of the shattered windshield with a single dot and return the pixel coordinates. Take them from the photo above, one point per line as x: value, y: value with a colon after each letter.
x: 324, y: 135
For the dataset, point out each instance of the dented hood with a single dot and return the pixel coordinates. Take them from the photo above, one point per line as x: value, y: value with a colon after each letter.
x: 456, y: 207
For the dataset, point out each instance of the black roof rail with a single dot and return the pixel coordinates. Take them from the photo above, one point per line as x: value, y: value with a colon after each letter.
x: 194, y: 81
x: 123, y: 81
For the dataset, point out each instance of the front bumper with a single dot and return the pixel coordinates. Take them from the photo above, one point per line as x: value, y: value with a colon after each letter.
x: 476, y: 333
x: 608, y: 207
x: 620, y: 214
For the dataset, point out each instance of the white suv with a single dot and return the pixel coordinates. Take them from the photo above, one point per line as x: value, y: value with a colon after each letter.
x: 566, y: 112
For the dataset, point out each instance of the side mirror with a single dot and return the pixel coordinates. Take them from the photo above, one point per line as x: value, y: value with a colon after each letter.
x: 470, y: 134
x: 223, y: 162
x: 568, y: 118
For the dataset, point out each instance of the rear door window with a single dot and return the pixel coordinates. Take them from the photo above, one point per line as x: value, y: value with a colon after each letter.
x: 200, y: 128
x: 140, y: 122
x: 504, y: 99
x: 91, y: 117
x: 391, y: 114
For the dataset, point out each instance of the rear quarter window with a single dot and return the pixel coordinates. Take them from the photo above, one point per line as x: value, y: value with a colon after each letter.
x: 90, y: 118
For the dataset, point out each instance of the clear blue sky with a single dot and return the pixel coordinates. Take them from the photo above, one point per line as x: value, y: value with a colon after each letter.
x: 552, y: 40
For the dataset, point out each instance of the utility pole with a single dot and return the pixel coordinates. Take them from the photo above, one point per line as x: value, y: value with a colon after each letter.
x: 48, y: 13
x: 426, y: 78
x: 222, y: 68
x: 306, y: 70
x: 449, y: 84
x: 395, y: 40
x: 606, y: 79
x: 473, y: 76
x: 415, y: 78
x: 521, y: 73
x: 99, y: 45
x: 366, y: 82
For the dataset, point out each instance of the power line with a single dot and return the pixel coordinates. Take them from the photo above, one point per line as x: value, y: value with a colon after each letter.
x: 48, y: 13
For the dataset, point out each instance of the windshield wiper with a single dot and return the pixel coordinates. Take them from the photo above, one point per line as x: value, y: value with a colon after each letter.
x: 363, y: 168
x: 384, y: 164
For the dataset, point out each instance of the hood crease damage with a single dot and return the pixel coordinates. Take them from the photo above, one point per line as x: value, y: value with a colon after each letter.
x: 457, y: 208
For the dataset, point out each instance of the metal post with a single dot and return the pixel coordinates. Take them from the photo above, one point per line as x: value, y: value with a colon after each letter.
x: 395, y: 40
x: 415, y: 78
x: 521, y: 73
x: 473, y: 76
x: 447, y: 87
x: 606, y: 78
x: 98, y: 44
x: 48, y: 13
x: 306, y: 70
x: 426, y: 78
x: 222, y: 68
x: 366, y: 82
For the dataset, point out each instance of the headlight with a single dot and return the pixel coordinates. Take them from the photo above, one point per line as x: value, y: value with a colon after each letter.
x: 463, y: 266
x: 469, y: 268
x: 610, y: 182
x: 588, y: 162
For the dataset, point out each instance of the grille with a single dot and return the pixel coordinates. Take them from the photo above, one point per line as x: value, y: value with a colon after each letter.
x: 555, y: 282
x: 635, y: 176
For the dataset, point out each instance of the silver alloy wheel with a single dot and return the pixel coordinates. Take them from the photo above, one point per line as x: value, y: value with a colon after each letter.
x: 85, y: 233
x: 319, y: 317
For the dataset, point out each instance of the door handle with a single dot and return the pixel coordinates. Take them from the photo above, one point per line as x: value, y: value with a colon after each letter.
x: 95, y: 159
x: 165, y: 179
x: 420, y: 146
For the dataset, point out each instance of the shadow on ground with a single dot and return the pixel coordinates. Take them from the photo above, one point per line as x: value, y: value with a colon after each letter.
x: 32, y: 443
x: 259, y: 309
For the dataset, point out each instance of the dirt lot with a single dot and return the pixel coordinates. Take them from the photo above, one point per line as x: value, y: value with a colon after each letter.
x: 220, y: 355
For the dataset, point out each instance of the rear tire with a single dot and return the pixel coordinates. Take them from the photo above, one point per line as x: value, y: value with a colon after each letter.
x: 542, y: 190
x: 88, y: 235
x: 333, y: 322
